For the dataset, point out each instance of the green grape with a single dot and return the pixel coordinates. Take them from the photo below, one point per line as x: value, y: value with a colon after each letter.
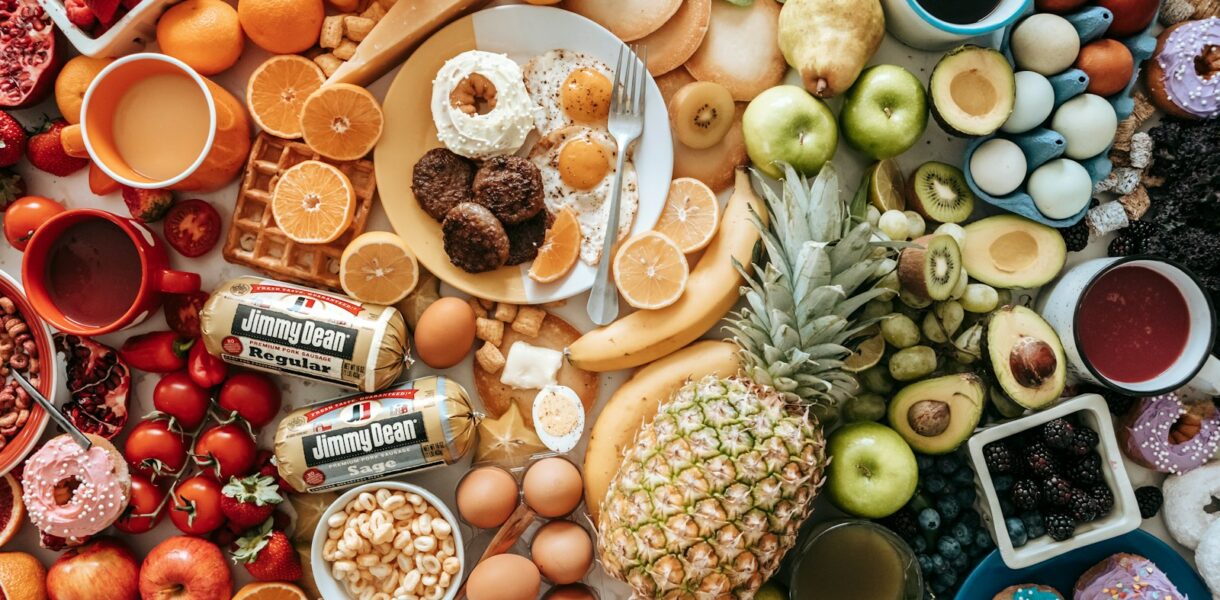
x: 876, y: 309
x: 912, y: 363
x: 865, y: 407
x: 899, y: 331
x: 876, y: 380
x: 980, y: 298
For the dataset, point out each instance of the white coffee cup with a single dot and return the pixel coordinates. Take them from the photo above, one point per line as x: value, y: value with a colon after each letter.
x: 1060, y: 304
x: 914, y: 26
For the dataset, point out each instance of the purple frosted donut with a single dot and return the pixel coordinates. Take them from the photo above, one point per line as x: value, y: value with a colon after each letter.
x: 1128, y: 576
x: 1165, y: 434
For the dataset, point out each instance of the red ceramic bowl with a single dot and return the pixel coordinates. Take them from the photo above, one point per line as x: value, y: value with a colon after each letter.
x: 19, y: 447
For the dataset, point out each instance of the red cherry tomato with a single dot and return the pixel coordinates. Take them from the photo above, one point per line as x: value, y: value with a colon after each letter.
x: 146, y: 498
x: 177, y: 396
x: 192, y: 227
x: 182, y: 313
x: 195, y: 508
x: 25, y: 215
x: 226, y: 450
x: 253, y: 396
x: 153, y: 441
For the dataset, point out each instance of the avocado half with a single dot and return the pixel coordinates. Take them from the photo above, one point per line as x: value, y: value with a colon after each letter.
x: 973, y: 91
x: 1026, y: 357
x: 936, y: 416
x: 1008, y: 251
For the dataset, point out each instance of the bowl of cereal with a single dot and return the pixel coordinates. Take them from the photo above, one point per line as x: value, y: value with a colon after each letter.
x: 392, y: 538
x: 25, y: 344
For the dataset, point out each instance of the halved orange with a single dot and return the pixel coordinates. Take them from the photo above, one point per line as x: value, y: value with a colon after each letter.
x: 341, y: 121
x: 559, y: 250
x: 270, y: 590
x: 650, y: 271
x: 313, y: 202
x: 277, y: 90
x: 378, y: 267
x: 691, y: 214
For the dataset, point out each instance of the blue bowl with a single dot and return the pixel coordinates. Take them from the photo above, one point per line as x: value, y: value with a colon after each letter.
x: 991, y: 575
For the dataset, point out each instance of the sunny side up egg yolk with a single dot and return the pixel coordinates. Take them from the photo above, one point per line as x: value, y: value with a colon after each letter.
x: 586, y: 96
x: 583, y: 163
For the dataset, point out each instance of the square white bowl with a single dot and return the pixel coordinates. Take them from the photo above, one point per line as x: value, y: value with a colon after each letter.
x: 129, y: 34
x: 1123, y: 518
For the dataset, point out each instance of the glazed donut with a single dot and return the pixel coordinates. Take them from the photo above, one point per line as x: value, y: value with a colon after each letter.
x: 1183, y: 76
x: 1126, y: 576
x: 73, y: 493
x: 1207, y: 558
x: 1186, y: 495
x: 1028, y: 591
x: 1165, y: 434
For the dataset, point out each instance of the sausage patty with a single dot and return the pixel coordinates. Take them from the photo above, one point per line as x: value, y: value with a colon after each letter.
x: 474, y: 238
x: 526, y: 237
x: 510, y: 187
x: 441, y: 180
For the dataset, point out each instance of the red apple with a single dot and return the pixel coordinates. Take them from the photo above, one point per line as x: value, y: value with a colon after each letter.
x: 1130, y: 16
x: 185, y: 568
x: 76, y: 573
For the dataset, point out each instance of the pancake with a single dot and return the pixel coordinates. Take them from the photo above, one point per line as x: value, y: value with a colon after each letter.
x: 679, y: 38
x: 741, y: 49
x: 628, y: 19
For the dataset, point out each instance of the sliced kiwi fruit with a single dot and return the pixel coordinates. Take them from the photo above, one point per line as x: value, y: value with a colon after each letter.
x: 938, y: 191
x: 701, y: 113
x: 930, y: 269
x: 885, y: 186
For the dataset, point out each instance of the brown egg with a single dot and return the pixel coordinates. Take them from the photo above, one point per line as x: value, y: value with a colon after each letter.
x: 504, y: 577
x: 563, y: 551
x: 552, y: 487
x: 486, y: 497
x: 445, y: 333
x: 576, y: 591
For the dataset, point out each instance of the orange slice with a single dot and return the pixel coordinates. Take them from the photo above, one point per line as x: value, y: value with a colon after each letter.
x: 690, y: 216
x: 270, y: 590
x: 559, y: 250
x: 341, y: 121
x: 378, y: 267
x: 650, y: 271
x: 313, y: 202
x: 277, y: 90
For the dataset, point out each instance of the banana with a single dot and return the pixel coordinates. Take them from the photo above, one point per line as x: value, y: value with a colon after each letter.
x: 711, y: 291
x: 635, y: 404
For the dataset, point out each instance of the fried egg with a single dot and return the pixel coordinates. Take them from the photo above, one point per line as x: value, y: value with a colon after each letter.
x: 578, y: 165
x: 570, y: 88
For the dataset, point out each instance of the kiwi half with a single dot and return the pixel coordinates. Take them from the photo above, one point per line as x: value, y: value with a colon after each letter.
x: 930, y: 269
x: 701, y: 114
x: 938, y: 191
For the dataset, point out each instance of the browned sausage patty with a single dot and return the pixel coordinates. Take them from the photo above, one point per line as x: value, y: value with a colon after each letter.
x: 526, y: 237
x: 441, y: 180
x: 474, y: 239
x: 510, y: 187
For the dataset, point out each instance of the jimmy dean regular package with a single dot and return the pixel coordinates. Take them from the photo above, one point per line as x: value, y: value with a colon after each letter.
x: 284, y: 328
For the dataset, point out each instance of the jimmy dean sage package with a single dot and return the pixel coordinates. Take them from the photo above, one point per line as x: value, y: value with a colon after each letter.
x: 284, y: 328
x: 421, y: 424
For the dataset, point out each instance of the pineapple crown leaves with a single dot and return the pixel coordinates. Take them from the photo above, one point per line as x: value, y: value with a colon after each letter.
x: 259, y: 490
x: 253, y: 542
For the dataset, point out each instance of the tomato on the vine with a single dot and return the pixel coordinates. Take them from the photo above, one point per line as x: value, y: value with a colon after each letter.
x: 226, y: 450
x: 253, y: 396
x: 195, y: 507
x: 25, y: 215
x: 177, y: 396
x: 153, y: 440
x: 146, y: 497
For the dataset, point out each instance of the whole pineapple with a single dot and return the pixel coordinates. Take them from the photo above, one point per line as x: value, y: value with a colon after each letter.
x: 712, y: 494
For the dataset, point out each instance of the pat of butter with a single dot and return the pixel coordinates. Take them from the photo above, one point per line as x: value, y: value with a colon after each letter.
x: 530, y: 367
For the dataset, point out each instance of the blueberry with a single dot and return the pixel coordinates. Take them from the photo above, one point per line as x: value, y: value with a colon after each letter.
x: 966, y: 495
x: 1007, y: 507
x: 948, y: 547
x: 919, y: 544
x: 948, y: 508
x: 934, y: 484
x: 938, y: 586
x: 970, y: 518
x: 982, y: 540
x: 929, y: 519
x: 962, y: 533
x: 1035, y: 525
x: 924, y: 462
x: 964, y: 477
x: 1016, y: 531
x: 949, y: 464
x: 939, y: 564
x: 948, y: 579
x: 960, y: 562
x: 925, y: 562
x: 1002, y: 483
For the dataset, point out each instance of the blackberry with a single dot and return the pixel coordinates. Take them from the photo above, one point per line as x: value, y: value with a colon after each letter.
x: 1083, y: 442
x: 1076, y: 237
x: 1120, y: 246
x: 1104, y: 497
x: 1082, y: 506
x: 1056, y: 491
x: 998, y: 457
x: 1025, y: 494
x: 1149, y: 499
x: 1039, y: 461
x: 1058, y: 434
x: 1135, y: 238
x: 1060, y: 526
x: 1086, y: 471
x: 1120, y: 404
x: 903, y: 523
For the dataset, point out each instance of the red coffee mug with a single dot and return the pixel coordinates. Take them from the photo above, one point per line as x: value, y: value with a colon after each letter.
x: 156, y: 278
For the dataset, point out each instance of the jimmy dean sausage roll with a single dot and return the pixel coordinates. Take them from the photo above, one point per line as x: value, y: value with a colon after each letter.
x: 366, y: 437
x: 284, y: 328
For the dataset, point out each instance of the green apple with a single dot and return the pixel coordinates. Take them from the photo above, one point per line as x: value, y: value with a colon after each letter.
x: 770, y: 591
x: 872, y: 470
x: 885, y: 112
x: 787, y: 124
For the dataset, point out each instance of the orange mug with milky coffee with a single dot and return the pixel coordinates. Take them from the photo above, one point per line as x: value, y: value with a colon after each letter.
x: 150, y: 121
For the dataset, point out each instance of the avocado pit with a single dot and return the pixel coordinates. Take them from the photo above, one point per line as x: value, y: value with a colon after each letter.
x: 929, y: 418
x: 1032, y: 362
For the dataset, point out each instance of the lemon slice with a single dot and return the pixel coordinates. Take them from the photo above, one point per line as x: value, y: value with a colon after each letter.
x: 650, y: 271
x: 867, y: 354
x: 886, y: 186
x: 690, y: 216
x: 378, y: 267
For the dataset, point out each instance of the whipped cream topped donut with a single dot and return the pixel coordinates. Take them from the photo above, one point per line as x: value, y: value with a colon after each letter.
x: 1168, y: 435
x: 1184, y: 76
x: 480, y: 105
x: 70, y: 492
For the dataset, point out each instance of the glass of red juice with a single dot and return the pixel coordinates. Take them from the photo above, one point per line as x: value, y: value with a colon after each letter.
x: 90, y: 272
x: 1137, y: 324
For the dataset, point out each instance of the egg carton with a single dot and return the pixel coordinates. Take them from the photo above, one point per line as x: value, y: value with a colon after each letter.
x: 1043, y: 144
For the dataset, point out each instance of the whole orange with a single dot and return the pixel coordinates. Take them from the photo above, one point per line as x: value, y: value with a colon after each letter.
x: 73, y: 79
x: 282, y: 26
x: 204, y: 34
x: 22, y: 577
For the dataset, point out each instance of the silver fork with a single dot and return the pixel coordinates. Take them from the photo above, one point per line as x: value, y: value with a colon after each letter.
x: 626, y: 124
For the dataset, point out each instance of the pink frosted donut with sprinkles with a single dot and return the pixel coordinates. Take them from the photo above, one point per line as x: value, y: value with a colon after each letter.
x: 1183, y: 77
x: 1126, y: 577
x: 73, y: 493
x: 1167, y: 435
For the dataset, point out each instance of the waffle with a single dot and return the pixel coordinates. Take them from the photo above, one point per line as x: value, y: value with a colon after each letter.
x: 255, y: 241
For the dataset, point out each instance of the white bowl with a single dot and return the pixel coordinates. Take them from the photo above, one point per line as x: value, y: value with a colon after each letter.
x: 1124, y: 518
x: 335, y: 590
x: 129, y: 34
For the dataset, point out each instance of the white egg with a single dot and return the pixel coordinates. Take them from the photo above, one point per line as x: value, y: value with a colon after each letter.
x: 1035, y: 101
x: 577, y: 165
x: 1060, y: 188
x: 570, y: 88
x: 559, y: 417
x: 1045, y: 43
x: 998, y: 167
x: 1088, y: 123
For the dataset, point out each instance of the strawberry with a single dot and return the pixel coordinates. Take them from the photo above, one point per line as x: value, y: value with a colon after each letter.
x: 147, y: 206
x: 265, y: 461
x: 46, y: 152
x: 12, y: 140
x: 268, y: 555
x: 12, y: 187
x: 248, y: 501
